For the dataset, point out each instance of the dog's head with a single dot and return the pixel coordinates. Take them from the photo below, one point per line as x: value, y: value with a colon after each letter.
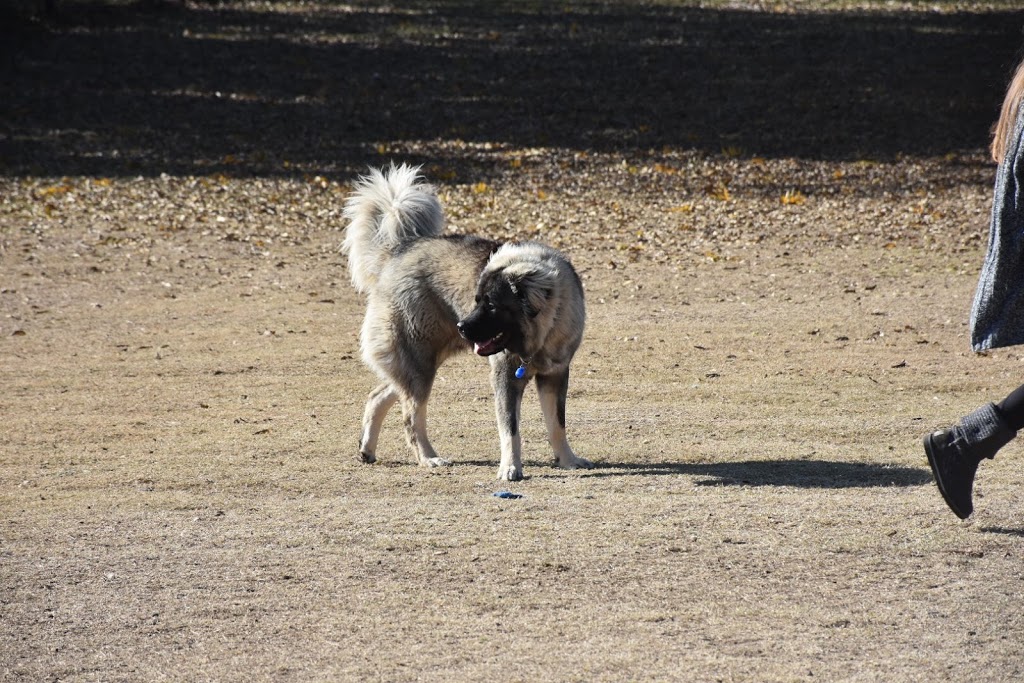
x: 510, y: 295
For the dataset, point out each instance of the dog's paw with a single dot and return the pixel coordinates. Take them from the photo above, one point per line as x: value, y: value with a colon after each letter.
x: 576, y: 463
x: 368, y: 458
x: 435, y: 462
x: 510, y: 473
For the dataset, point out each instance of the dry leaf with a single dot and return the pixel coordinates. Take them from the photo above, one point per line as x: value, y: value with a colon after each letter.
x: 793, y: 197
x: 720, y: 192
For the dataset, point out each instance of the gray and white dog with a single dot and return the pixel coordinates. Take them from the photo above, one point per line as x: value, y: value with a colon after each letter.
x: 431, y: 295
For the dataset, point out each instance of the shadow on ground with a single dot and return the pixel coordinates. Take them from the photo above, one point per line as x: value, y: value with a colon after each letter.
x: 274, y: 89
x: 1002, y: 530
x: 817, y: 474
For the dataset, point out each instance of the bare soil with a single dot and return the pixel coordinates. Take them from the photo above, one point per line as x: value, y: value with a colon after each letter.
x: 778, y: 210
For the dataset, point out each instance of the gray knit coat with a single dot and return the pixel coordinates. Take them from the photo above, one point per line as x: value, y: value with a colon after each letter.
x: 997, y: 317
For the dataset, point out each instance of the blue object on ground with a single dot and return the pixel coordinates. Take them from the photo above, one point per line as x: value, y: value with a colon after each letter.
x: 506, y: 494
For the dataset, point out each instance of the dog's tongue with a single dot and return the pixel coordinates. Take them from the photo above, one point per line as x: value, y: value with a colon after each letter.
x: 485, y: 348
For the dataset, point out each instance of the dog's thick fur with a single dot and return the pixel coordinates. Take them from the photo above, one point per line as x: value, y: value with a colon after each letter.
x: 430, y: 296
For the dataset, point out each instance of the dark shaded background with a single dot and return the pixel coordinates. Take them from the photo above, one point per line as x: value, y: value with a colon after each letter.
x: 144, y: 89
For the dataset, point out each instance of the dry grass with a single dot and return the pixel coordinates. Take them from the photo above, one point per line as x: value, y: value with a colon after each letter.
x: 179, y: 486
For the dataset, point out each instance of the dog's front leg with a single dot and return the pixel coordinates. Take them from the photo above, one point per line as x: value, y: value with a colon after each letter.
x: 552, y: 390
x: 508, y: 397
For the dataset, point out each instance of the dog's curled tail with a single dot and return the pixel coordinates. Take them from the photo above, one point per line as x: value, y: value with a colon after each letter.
x: 387, y: 209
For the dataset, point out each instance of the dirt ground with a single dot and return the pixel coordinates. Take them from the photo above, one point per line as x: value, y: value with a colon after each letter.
x: 778, y: 210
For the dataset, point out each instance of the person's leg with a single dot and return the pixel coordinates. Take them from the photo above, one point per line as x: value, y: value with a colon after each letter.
x: 954, y: 454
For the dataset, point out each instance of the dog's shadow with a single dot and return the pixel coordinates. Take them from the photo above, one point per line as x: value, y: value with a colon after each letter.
x: 811, y: 474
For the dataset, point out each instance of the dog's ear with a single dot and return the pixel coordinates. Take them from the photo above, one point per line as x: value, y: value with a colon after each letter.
x: 532, y: 283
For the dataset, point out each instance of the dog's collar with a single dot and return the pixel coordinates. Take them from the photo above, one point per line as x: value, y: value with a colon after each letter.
x: 521, y: 370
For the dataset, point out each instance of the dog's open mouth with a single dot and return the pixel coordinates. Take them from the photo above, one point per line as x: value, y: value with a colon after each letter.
x: 491, y: 346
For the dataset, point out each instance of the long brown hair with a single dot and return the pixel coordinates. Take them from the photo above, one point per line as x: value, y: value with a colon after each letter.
x: 1008, y: 115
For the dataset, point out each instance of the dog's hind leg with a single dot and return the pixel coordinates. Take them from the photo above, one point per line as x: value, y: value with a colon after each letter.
x: 552, y: 390
x: 377, y: 406
x: 413, y: 374
x: 414, y: 412
x: 409, y: 371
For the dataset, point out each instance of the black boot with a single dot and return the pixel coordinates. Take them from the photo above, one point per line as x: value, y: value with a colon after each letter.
x: 954, y: 454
